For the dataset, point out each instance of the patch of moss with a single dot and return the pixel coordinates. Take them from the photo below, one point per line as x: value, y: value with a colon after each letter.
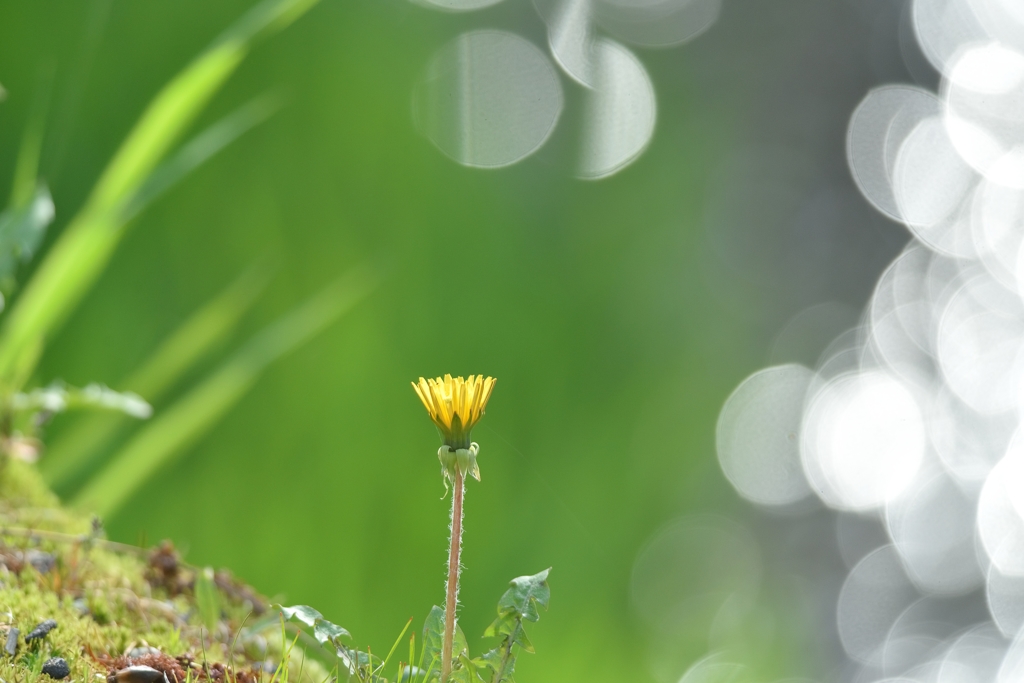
x: 116, y: 604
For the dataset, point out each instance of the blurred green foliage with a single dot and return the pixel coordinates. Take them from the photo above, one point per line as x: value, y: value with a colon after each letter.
x: 589, y: 301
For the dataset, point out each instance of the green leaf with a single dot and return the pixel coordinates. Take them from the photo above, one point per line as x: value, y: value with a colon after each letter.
x: 525, y: 594
x: 21, y: 230
x: 519, y: 603
x: 324, y: 631
x: 503, y: 625
x: 490, y: 659
x: 86, y: 245
x: 183, y: 423
x: 433, y: 637
x: 207, y: 598
x: 466, y: 670
x: 412, y: 673
x: 360, y: 664
x: 304, y: 613
x: 500, y: 661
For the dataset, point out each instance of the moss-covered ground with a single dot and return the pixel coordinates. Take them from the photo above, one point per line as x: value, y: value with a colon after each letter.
x: 118, y: 606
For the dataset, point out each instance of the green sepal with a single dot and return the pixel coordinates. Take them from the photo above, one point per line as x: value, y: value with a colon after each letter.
x: 467, y: 461
x: 460, y: 460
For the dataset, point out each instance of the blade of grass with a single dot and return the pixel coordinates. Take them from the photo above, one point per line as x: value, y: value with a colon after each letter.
x: 83, y: 250
x: 198, y: 150
x: 26, y: 168
x: 201, y: 333
x: 69, y: 456
x: 393, y: 647
x: 188, y: 419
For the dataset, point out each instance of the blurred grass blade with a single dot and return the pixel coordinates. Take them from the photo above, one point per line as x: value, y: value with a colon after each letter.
x: 59, y: 397
x: 202, y: 332
x: 26, y: 168
x: 198, y: 150
x: 68, y: 456
x: 191, y: 417
x: 81, y: 253
x: 207, y: 598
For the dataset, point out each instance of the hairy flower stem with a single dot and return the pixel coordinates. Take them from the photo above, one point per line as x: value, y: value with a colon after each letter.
x: 454, y: 549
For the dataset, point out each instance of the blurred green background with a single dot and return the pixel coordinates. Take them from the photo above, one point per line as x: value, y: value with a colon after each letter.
x: 613, y: 317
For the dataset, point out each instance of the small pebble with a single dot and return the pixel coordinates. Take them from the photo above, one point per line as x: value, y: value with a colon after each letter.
x: 142, y: 651
x: 56, y: 667
x: 11, y: 647
x: 137, y: 674
x: 41, y: 630
x: 42, y: 561
x: 81, y: 606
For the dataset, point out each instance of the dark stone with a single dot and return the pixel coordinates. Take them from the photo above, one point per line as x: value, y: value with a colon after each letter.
x: 56, y: 667
x: 138, y: 674
x: 41, y: 630
x: 11, y: 647
x: 42, y: 561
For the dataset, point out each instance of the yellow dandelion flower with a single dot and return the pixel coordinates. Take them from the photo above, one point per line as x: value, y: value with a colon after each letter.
x: 455, y: 405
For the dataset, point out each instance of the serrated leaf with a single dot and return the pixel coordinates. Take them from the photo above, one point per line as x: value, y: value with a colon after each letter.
x: 207, y: 598
x: 517, y: 636
x: 518, y: 603
x: 491, y: 659
x: 304, y: 613
x: 523, y: 641
x: 525, y: 594
x: 503, y: 625
x: 501, y: 662
x: 326, y: 632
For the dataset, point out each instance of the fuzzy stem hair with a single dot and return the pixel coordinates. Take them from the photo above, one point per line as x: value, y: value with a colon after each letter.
x: 454, y: 567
